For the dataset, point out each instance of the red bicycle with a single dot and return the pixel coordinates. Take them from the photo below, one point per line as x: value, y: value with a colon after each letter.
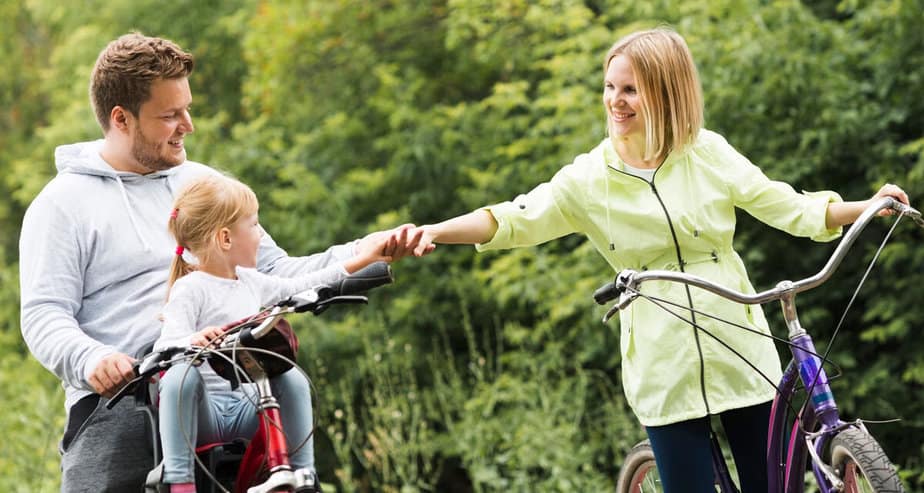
x: 253, y: 350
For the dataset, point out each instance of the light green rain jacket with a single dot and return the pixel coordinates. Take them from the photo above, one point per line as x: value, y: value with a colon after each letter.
x: 671, y: 372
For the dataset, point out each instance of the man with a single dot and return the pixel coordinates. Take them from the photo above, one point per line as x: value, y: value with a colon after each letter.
x: 95, y: 252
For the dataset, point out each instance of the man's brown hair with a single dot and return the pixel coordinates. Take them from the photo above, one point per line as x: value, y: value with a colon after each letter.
x: 126, y: 68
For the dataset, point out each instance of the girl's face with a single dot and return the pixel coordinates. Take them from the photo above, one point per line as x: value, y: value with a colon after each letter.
x: 245, y: 240
x: 621, y: 99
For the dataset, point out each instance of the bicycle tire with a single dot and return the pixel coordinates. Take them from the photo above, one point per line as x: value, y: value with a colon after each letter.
x: 639, y: 473
x: 860, y: 462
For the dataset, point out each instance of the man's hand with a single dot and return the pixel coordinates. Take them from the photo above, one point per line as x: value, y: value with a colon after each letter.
x: 112, y: 373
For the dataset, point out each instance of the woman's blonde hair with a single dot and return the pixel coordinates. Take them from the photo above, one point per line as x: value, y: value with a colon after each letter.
x: 205, y: 206
x: 668, y: 85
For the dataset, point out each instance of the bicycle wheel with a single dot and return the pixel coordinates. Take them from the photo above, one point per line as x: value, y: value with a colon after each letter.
x: 639, y: 474
x: 860, y: 462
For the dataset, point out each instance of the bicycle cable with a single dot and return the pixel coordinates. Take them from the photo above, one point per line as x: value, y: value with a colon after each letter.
x: 856, y: 292
x: 660, y: 303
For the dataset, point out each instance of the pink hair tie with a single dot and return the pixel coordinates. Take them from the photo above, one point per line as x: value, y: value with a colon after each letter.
x: 174, y: 213
x: 179, y: 250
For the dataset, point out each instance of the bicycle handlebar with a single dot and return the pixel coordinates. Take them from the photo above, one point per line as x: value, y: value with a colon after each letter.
x: 625, y: 286
x: 314, y: 300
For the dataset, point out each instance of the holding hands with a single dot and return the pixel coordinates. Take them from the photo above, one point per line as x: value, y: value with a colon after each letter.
x: 387, y: 246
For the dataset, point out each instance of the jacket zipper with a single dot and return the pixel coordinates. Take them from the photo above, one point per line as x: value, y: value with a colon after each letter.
x: 680, y: 263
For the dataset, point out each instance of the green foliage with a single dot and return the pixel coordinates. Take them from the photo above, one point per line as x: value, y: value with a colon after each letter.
x: 31, y: 419
x: 487, y: 372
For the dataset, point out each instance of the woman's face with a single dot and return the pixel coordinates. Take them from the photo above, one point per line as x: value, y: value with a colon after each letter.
x: 621, y: 99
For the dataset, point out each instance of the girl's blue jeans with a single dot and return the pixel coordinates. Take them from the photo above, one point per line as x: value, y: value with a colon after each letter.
x: 190, y: 415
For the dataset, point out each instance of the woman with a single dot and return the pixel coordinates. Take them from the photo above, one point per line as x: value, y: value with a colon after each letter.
x: 660, y: 192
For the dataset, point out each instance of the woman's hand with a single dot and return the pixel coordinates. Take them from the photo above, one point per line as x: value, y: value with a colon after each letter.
x: 207, y: 336
x: 427, y: 242
x: 841, y: 213
x: 478, y: 226
x: 890, y: 190
x: 385, y: 246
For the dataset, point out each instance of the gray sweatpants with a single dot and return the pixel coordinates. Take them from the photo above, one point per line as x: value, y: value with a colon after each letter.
x: 112, y: 452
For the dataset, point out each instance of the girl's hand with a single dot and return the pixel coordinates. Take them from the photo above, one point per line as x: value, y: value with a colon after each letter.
x: 385, y: 246
x: 207, y: 336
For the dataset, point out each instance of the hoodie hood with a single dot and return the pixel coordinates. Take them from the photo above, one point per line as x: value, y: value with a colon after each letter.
x: 84, y: 159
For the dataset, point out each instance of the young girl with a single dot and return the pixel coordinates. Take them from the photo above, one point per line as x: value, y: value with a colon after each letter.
x: 660, y: 193
x: 215, y: 219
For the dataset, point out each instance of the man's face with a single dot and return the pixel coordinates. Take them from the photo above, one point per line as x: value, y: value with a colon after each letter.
x: 163, y: 121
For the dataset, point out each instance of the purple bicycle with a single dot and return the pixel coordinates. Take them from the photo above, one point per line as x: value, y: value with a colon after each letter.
x: 844, y: 456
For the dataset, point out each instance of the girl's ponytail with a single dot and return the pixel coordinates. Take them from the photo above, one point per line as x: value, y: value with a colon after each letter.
x: 179, y: 267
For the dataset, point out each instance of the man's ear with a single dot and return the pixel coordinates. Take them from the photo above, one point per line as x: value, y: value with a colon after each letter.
x: 119, y: 118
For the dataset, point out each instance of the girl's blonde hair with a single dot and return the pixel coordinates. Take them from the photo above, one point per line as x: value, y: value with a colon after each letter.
x: 668, y: 85
x: 205, y: 206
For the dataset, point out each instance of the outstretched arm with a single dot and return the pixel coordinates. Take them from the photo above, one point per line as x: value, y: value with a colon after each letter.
x: 475, y: 227
x: 841, y: 213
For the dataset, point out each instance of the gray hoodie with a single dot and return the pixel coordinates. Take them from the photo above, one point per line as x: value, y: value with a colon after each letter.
x: 94, y: 258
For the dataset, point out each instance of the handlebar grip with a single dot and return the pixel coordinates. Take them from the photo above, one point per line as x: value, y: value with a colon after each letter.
x: 607, y: 293
x: 372, y: 276
x: 909, y: 211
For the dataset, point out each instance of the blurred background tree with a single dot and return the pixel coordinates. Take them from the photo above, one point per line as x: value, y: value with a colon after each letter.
x: 486, y: 372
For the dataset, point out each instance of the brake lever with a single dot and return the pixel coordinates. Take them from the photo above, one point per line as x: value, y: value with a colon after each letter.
x: 610, y: 313
x: 125, y: 390
x: 149, y: 365
x: 620, y: 287
x: 907, y: 210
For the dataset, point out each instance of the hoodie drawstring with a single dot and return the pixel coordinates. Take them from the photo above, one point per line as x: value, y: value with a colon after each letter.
x: 131, y: 217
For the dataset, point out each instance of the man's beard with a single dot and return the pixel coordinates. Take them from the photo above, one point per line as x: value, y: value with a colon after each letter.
x: 145, y: 152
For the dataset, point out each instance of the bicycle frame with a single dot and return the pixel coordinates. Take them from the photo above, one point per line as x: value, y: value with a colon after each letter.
x: 785, y: 468
x: 268, y: 450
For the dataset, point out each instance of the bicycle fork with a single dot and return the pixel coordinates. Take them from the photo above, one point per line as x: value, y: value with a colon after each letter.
x: 269, y: 443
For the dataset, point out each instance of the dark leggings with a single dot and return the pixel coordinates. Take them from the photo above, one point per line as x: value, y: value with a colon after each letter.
x: 683, y: 454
